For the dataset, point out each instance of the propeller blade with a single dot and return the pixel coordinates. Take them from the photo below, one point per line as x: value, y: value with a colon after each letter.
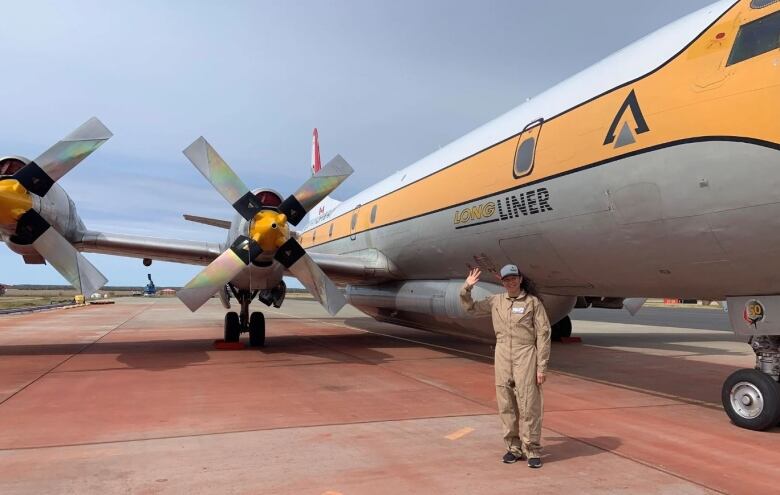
x: 40, y: 174
x: 221, y: 271
x: 315, y: 189
x: 302, y: 266
x: 33, y: 229
x: 221, y: 176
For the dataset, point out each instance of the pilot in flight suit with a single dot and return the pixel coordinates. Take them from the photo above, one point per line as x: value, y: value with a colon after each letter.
x: 521, y: 357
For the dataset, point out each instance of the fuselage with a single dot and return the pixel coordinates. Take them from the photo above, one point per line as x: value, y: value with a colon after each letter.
x: 653, y: 173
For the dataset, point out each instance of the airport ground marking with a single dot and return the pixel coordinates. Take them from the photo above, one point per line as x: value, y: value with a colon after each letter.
x: 459, y: 434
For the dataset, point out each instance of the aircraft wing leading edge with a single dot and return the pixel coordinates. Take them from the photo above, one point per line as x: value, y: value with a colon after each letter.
x: 133, y: 246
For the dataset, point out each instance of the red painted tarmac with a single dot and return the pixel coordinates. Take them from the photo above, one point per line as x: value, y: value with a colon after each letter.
x: 134, y: 398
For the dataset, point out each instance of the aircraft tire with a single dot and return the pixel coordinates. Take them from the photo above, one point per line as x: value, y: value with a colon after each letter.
x: 561, y: 329
x: 257, y: 329
x: 232, y: 327
x: 751, y: 399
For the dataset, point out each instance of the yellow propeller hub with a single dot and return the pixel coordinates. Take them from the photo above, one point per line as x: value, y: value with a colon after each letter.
x: 15, y: 201
x: 269, y: 229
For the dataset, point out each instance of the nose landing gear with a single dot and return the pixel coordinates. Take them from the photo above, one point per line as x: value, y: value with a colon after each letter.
x: 751, y: 397
x: 236, y: 324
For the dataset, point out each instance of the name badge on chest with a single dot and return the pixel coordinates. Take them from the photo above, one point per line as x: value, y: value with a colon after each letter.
x: 518, y: 311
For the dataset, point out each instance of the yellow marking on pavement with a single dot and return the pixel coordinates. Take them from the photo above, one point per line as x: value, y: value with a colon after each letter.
x: 331, y: 492
x: 459, y: 434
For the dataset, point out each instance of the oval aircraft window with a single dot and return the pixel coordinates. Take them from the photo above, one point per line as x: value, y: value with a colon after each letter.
x: 760, y: 4
x: 524, y: 159
x: 373, y: 214
x: 330, y: 231
x: 756, y: 38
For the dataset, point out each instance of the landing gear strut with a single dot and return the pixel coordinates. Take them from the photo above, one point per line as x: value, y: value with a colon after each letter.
x: 238, y: 323
x: 751, y: 397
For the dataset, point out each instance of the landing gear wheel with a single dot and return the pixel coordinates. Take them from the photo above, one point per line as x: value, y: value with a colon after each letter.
x: 257, y: 329
x: 232, y: 327
x: 751, y: 398
x: 561, y: 329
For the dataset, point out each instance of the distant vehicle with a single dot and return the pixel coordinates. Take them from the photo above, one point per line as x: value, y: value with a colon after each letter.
x: 150, y: 290
x: 2, y: 289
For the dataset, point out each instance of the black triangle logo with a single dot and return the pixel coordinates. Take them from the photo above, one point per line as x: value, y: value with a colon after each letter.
x: 632, y: 104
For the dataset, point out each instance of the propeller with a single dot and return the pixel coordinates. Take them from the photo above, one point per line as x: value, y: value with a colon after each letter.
x: 315, y: 189
x: 267, y: 229
x: 38, y: 177
x: 294, y: 258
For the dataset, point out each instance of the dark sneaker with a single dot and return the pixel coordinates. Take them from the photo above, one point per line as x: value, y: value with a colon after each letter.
x: 510, y: 458
x: 535, y: 462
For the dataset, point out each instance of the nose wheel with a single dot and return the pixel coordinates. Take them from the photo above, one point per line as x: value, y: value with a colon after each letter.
x: 236, y: 324
x: 232, y: 327
x: 257, y: 329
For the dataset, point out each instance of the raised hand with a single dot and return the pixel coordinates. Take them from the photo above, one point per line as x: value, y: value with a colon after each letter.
x: 473, y: 277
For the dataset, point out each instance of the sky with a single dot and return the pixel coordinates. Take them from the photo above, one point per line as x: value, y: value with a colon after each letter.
x: 385, y: 82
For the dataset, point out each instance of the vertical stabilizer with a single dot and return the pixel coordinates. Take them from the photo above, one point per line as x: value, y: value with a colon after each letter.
x: 327, y: 204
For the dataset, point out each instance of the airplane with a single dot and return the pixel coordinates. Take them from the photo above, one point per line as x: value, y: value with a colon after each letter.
x: 651, y: 173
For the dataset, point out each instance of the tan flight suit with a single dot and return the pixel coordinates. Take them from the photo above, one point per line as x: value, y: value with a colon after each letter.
x: 522, y: 348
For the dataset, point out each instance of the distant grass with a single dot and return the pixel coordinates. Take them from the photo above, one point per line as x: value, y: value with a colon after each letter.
x: 7, y: 302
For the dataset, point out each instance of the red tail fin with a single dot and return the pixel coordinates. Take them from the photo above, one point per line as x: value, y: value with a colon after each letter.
x: 316, y: 165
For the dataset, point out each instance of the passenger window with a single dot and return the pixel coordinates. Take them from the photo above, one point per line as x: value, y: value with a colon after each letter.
x: 330, y: 231
x: 354, y: 222
x: 760, y: 4
x: 373, y: 214
x: 524, y: 159
x: 756, y: 38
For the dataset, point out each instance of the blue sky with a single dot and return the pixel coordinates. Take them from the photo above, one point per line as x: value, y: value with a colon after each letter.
x: 385, y: 82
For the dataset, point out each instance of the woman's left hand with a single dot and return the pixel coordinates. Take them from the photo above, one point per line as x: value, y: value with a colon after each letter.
x: 540, y: 377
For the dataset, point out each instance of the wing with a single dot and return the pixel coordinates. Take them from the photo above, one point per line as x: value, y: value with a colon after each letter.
x: 132, y: 246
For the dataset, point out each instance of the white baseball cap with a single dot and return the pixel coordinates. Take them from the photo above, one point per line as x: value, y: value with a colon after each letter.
x: 510, y: 270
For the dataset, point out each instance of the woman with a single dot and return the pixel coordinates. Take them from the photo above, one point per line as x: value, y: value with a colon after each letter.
x: 521, y: 357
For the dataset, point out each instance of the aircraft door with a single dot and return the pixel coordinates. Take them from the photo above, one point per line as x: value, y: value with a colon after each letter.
x: 525, y: 154
x: 353, y: 223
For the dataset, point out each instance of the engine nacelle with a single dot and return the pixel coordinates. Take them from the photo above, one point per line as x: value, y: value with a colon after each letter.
x: 435, y: 305
x: 56, y: 207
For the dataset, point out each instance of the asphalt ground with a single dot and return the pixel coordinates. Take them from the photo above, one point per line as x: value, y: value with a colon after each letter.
x: 134, y: 398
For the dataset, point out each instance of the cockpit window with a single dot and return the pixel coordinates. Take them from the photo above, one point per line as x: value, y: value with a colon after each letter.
x: 760, y: 4
x: 755, y: 38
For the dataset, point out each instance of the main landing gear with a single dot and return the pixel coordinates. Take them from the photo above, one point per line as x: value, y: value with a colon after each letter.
x: 751, y: 397
x: 561, y: 330
x: 238, y: 323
